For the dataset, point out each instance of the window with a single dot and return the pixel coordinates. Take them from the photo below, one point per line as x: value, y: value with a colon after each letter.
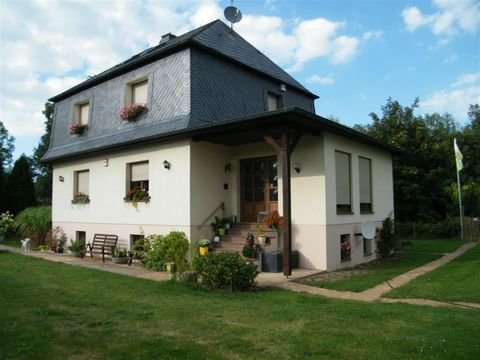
x: 137, y: 245
x: 343, y: 182
x: 365, y: 180
x: 137, y: 92
x: 137, y: 186
x: 82, y: 113
x: 367, y: 247
x: 81, y: 236
x: 345, y: 247
x: 274, y: 102
x: 81, y: 187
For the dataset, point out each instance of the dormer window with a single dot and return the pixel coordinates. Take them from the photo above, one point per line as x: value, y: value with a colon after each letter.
x: 82, y: 111
x: 274, y: 102
x: 137, y: 92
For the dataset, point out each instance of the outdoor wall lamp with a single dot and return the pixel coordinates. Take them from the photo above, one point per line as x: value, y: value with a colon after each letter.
x: 166, y: 164
x: 61, y: 179
x: 297, y: 167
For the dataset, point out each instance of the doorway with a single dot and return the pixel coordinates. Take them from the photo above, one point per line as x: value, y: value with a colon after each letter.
x: 259, y: 187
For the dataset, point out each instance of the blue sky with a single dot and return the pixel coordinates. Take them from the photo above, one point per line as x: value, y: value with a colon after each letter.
x: 354, y: 54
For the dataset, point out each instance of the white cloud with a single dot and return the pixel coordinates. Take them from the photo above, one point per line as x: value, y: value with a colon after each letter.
x: 463, y: 92
x: 324, y: 80
x: 451, y: 17
x: 466, y: 79
x: 372, y: 35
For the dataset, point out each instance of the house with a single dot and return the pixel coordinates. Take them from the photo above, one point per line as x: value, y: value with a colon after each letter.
x: 224, y: 126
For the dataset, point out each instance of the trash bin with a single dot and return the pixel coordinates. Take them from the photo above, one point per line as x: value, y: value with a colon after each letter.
x: 273, y: 261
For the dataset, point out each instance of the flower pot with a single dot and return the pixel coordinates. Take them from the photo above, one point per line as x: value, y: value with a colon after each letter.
x: 120, y: 260
x: 203, y: 251
x: 60, y: 250
x: 221, y: 231
x: 227, y: 226
x: 75, y: 253
x: 261, y: 240
x: 216, y: 238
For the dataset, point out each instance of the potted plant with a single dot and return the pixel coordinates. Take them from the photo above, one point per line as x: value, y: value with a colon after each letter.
x: 136, y: 195
x: 76, y: 247
x: 120, y: 256
x: 77, y: 129
x: 131, y: 112
x: 274, y: 221
x: 226, y: 221
x: 80, y: 198
x: 203, y: 245
x: 61, y: 243
x: 249, y: 252
x: 345, y: 250
x: 261, y: 235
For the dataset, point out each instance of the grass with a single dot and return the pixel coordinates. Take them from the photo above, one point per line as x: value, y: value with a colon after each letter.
x: 57, y: 311
x: 376, y: 273
x: 459, y: 280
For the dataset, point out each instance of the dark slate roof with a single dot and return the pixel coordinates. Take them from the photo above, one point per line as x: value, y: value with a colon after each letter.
x: 215, y: 37
x: 232, y: 132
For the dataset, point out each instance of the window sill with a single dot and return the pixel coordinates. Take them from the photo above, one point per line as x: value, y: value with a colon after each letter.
x: 369, y: 254
x: 345, y: 213
x: 367, y: 212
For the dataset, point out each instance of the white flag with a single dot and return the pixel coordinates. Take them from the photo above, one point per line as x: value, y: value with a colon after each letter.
x: 458, y: 155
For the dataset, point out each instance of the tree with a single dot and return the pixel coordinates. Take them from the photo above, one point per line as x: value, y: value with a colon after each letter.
x: 3, y: 203
x: 43, y: 172
x: 6, y: 147
x: 20, y: 192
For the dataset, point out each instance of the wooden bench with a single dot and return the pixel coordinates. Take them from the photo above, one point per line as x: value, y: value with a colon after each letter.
x: 103, y: 244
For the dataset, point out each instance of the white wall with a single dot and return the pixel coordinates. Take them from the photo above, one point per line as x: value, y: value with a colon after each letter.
x: 107, y: 212
x: 382, y: 197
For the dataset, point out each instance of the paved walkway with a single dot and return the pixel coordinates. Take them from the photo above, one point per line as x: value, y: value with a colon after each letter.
x: 278, y: 280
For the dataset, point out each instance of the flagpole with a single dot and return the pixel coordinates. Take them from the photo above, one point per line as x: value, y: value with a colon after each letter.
x: 460, y: 204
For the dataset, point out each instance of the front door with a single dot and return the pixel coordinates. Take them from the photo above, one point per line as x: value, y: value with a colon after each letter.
x: 259, y: 187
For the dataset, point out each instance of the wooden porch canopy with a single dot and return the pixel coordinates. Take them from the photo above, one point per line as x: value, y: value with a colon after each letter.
x: 282, y: 129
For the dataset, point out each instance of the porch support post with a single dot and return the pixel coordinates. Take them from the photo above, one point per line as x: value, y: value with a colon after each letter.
x: 285, y: 147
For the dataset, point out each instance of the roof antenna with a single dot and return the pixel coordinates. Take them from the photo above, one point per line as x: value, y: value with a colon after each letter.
x: 232, y: 14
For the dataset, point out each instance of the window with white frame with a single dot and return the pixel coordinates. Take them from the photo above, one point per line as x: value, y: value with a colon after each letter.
x: 343, y: 182
x: 137, y: 183
x: 365, y: 181
x: 81, y: 187
x: 274, y: 101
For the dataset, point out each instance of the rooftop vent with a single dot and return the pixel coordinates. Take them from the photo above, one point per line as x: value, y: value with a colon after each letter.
x: 166, y: 38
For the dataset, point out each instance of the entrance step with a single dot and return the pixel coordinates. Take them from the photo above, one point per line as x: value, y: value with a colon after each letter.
x: 235, y: 238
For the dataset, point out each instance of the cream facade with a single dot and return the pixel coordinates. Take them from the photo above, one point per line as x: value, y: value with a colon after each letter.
x: 197, y: 182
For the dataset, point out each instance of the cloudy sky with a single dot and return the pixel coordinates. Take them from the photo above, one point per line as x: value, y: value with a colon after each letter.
x: 354, y: 54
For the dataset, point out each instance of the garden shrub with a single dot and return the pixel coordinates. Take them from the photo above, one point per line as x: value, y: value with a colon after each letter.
x: 160, y: 249
x: 225, y: 271
x: 388, y: 240
x: 35, y: 222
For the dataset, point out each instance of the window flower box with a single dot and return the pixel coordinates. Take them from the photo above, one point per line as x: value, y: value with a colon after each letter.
x: 80, y: 198
x: 131, y: 112
x: 77, y: 129
x: 137, y: 195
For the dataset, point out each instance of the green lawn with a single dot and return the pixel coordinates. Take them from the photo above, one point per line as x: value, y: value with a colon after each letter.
x: 435, y: 245
x: 57, y: 311
x: 459, y: 280
x: 375, y: 274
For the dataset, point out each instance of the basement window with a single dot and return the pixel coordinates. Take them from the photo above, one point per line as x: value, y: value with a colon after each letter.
x: 345, y: 247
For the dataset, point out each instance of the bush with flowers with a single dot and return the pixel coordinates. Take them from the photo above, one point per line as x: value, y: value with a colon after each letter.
x: 77, y: 129
x: 130, y: 112
x: 80, y: 198
x: 6, y: 223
